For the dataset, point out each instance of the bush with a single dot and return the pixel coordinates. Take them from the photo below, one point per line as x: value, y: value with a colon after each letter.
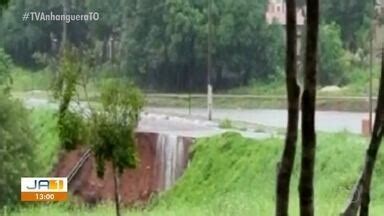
x: 17, y: 144
x: 25, y: 80
x: 113, y: 126
x: 226, y: 124
x: 333, y: 67
x: 71, y: 124
x: 72, y: 130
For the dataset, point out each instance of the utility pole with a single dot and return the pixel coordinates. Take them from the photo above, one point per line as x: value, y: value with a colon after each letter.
x: 371, y: 77
x: 111, y: 50
x: 209, y: 65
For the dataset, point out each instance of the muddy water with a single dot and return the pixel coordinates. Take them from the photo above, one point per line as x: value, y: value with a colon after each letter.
x: 171, y: 153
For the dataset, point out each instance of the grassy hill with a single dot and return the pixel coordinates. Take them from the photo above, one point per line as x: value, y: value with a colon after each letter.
x: 232, y: 175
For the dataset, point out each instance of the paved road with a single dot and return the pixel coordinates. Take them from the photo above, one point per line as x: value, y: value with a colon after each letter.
x: 326, y: 121
x: 160, y: 123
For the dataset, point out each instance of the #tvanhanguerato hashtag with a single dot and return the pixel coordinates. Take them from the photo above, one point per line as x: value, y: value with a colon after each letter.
x: 50, y: 16
x: 25, y: 16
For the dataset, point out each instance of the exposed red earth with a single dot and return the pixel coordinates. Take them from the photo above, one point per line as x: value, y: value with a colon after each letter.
x: 162, y: 159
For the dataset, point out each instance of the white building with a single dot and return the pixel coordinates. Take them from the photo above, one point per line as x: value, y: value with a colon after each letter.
x: 276, y: 13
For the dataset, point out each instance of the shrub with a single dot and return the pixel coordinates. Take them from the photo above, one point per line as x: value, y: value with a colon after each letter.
x: 70, y: 123
x: 333, y: 66
x: 226, y: 124
x: 113, y: 130
x: 113, y: 126
x: 17, y: 143
x: 72, y: 129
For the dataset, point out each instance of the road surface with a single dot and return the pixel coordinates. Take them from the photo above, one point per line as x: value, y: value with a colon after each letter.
x: 160, y: 123
x: 326, y: 121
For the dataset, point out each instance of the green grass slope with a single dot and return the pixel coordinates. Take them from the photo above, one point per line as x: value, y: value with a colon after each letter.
x: 231, y: 175
x: 48, y: 146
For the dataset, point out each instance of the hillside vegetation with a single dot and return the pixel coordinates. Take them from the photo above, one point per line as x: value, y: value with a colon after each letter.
x: 233, y: 175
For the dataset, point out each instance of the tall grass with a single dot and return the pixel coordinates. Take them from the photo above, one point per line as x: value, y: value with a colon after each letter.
x: 232, y: 174
x: 25, y: 80
x: 47, y: 148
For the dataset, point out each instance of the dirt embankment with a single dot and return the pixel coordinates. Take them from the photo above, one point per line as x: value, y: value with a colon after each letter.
x: 137, y: 185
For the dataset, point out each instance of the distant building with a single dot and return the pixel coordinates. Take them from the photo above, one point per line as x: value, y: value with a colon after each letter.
x: 276, y: 13
x: 379, y: 6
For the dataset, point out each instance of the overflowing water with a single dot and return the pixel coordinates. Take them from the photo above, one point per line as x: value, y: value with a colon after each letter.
x: 171, y: 155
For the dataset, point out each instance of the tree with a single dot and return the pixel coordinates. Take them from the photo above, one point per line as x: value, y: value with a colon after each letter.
x: 160, y: 44
x: 113, y: 130
x: 293, y: 91
x: 107, y: 31
x: 3, y: 3
x: 333, y: 65
x: 308, y: 104
x: 360, y: 197
x: 70, y: 122
x: 23, y: 39
x: 353, y: 17
x: 167, y: 49
x: 16, y: 138
x: 17, y: 143
x: 4, y: 58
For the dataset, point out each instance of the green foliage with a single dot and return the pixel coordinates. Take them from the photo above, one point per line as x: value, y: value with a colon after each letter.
x: 17, y: 143
x: 25, y: 80
x: 105, y: 27
x: 22, y: 39
x: 232, y: 175
x: 3, y: 4
x: 70, y: 123
x: 43, y: 123
x: 353, y: 16
x: 28, y: 146
x: 64, y: 87
x: 113, y: 126
x: 226, y: 124
x: 72, y: 130
x: 168, y: 49
x: 5, y: 76
x: 163, y: 44
x: 334, y: 65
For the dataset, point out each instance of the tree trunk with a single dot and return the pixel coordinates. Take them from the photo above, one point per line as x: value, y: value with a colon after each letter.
x: 308, y: 156
x: 293, y: 92
x: 361, y: 194
x: 65, y: 25
x: 374, y: 148
x: 117, y: 189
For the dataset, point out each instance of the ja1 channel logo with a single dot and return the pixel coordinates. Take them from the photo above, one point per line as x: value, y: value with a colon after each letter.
x: 44, y: 189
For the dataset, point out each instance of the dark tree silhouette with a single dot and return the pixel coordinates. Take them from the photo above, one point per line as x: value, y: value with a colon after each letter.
x: 3, y: 3
x: 293, y: 91
x: 360, y: 197
x: 306, y: 190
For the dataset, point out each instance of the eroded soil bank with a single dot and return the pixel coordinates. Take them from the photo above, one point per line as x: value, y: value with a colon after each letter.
x: 162, y: 159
